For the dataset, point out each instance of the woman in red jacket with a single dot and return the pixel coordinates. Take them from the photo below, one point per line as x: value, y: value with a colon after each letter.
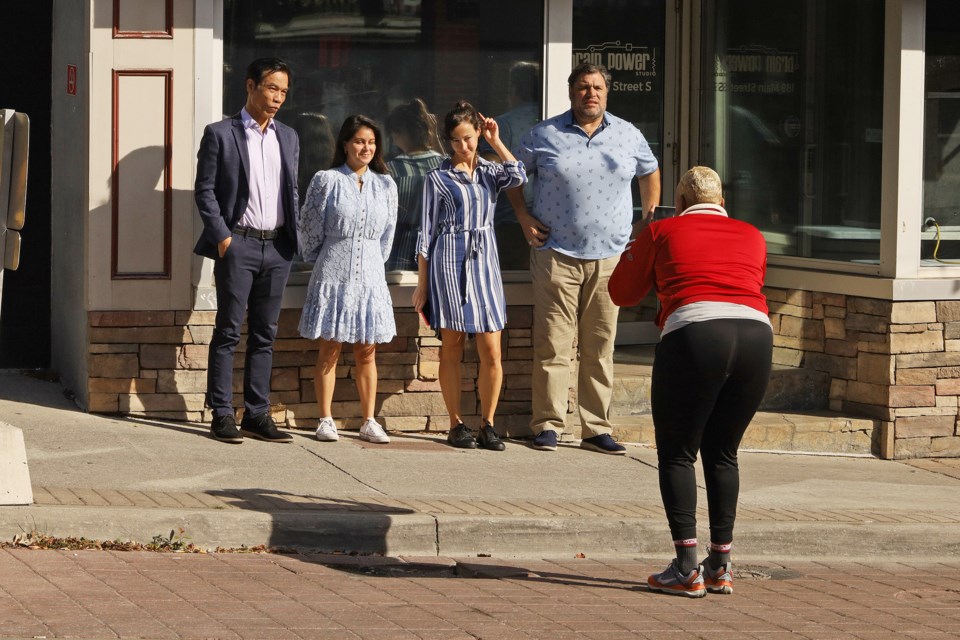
x: 711, y: 367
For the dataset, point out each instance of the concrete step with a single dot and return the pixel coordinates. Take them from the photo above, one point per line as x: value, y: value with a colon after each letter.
x: 793, y: 416
x: 812, y: 432
x: 790, y: 388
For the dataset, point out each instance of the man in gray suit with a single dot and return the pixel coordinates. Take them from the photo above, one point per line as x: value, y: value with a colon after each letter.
x: 246, y: 193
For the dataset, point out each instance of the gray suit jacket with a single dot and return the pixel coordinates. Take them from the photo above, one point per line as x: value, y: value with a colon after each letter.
x: 222, y: 189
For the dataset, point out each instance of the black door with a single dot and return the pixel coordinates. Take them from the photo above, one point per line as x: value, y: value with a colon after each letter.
x: 25, y: 48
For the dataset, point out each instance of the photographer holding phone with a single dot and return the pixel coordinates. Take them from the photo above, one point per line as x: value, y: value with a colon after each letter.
x: 711, y: 367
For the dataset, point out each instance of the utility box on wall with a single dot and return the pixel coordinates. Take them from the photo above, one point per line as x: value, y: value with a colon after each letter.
x: 15, y: 146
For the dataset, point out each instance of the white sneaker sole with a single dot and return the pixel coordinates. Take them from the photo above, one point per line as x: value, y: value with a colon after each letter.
x: 368, y: 438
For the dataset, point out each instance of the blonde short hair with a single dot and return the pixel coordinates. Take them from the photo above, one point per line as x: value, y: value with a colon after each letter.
x: 701, y: 185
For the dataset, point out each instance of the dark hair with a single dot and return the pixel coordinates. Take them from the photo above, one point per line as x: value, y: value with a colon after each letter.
x: 585, y: 69
x: 525, y: 80
x: 462, y: 112
x: 414, y: 121
x: 349, y: 129
x: 262, y: 67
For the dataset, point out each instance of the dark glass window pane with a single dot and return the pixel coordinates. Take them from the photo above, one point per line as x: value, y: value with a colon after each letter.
x: 791, y: 117
x: 941, y: 141
x: 371, y: 56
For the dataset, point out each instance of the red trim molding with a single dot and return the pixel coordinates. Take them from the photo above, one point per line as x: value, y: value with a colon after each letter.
x: 167, y: 75
x: 166, y: 33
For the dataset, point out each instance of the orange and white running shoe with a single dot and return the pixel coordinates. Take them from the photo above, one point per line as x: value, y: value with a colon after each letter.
x: 673, y: 582
x: 718, y: 580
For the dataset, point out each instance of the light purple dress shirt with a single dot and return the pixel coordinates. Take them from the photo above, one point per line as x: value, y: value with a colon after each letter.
x: 265, y: 206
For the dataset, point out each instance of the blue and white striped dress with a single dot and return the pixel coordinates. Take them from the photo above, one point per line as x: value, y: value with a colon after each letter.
x: 464, y: 288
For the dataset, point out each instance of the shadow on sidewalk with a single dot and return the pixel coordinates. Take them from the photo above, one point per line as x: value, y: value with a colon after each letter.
x: 324, y: 524
x: 381, y: 567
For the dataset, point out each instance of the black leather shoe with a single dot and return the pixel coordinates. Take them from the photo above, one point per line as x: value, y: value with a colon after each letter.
x: 224, y: 429
x: 488, y: 438
x: 461, y: 438
x: 262, y: 427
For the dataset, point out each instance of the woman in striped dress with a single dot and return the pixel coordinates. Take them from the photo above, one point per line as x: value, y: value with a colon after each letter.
x: 458, y: 266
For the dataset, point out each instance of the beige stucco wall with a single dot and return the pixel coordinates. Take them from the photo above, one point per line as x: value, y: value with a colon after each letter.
x: 139, y: 138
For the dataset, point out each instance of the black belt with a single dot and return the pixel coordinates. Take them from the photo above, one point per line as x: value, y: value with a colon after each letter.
x: 260, y: 234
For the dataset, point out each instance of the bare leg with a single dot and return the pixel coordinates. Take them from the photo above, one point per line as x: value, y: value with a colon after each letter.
x: 491, y: 373
x: 366, y: 375
x: 451, y: 354
x: 325, y: 376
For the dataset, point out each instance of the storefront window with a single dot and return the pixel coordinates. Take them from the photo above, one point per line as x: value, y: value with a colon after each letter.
x: 372, y: 56
x: 941, y: 143
x: 628, y: 38
x: 791, y: 118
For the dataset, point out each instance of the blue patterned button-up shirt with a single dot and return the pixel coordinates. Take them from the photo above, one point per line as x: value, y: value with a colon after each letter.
x: 582, y: 190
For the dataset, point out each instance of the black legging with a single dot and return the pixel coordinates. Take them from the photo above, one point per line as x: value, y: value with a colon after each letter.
x: 708, y: 380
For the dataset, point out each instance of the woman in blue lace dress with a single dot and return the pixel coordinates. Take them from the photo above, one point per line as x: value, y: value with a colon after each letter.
x: 346, y: 226
x: 459, y: 269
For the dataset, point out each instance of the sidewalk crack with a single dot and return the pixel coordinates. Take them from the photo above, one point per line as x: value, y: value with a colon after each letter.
x: 344, y: 471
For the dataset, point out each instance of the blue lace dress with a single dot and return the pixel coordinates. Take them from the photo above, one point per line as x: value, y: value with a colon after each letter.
x: 348, y: 232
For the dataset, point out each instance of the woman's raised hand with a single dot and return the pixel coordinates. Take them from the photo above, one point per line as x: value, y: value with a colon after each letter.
x: 491, y: 130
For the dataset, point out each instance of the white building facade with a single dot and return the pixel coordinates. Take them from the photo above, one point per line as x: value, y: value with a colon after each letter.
x: 835, y: 125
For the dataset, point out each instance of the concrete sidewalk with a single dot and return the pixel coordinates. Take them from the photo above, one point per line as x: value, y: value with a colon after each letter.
x: 117, y: 478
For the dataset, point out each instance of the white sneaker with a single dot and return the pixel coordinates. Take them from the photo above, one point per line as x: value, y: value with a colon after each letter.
x: 327, y: 431
x: 371, y: 431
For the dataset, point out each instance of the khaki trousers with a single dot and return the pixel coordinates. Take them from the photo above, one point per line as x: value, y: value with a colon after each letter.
x: 571, y: 301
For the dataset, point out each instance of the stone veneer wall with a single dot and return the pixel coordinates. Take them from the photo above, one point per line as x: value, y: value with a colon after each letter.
x: 153, y: 364
x: 898, y: 362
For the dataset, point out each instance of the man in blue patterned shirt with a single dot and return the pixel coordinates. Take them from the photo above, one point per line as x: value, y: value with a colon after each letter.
x: 584, y: 161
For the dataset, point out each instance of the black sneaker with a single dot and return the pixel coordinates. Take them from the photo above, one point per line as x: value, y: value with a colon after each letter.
x: 224, y: 429
x: 603, y: 443
x: 461, y: 438
x: 262, y: 427
x: 546, y: 440
x: 488, y: 438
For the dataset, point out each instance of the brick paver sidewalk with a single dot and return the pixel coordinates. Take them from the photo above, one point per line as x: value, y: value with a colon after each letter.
x: 98, y: 594
x: 267, y: 501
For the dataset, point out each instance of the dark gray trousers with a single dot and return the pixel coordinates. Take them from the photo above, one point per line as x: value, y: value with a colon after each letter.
x: 251, y: 277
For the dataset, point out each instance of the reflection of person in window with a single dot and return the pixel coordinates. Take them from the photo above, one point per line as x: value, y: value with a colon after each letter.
x: 524, y: 113
x: 458, y: 268
x: 346, y: 226
x: 413, y: 130
x: 316, y: 146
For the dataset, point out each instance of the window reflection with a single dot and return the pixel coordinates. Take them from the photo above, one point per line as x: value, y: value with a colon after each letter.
x: 941, y: 164
x: 373, y: 56
x: 413, y: 132
x: 791, y: 120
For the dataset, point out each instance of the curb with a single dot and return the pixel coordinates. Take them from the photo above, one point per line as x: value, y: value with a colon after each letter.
x: 426, y: 535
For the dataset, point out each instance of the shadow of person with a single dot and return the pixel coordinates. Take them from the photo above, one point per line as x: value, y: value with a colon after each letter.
x: 445, y: 568
x: 142, y: 360
x: 318, y: 523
